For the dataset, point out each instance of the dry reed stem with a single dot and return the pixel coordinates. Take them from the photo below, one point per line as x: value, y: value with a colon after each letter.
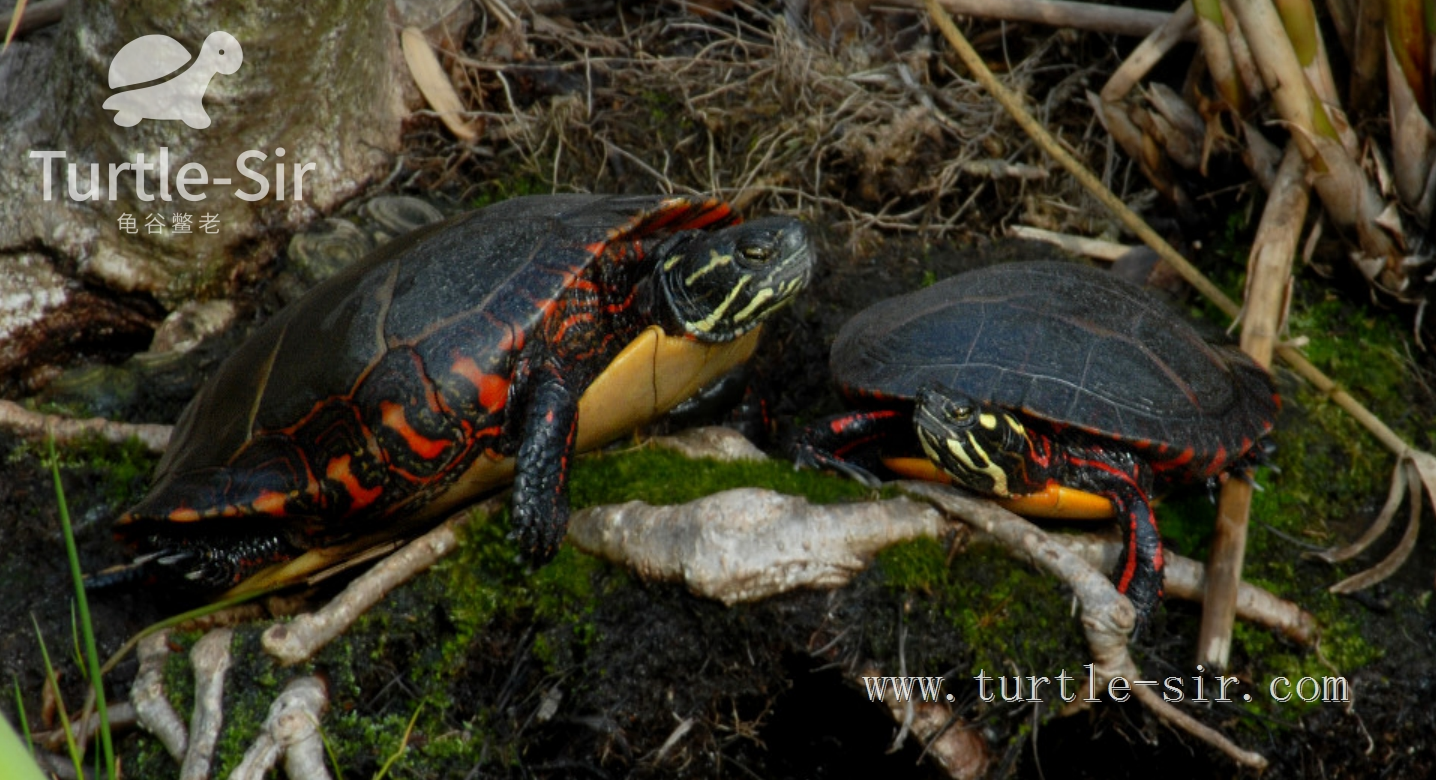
x: 1056, y: 13
x: 1268, y: 285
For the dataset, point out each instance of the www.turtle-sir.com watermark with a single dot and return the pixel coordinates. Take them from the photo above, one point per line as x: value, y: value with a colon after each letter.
x: 1033, y: 688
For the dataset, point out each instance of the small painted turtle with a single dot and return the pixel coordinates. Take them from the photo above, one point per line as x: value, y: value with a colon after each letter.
x: 1022, y: 377
x: 487, y: 347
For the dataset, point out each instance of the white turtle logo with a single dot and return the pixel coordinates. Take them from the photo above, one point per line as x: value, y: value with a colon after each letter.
x: 153, y: 57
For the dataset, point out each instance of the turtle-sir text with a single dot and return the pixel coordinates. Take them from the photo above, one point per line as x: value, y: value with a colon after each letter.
x: 187, y: 178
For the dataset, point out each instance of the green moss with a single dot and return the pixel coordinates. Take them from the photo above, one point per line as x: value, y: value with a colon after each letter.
x: 1005, y: 614
x: 658, y: 476
x: 919, y: 565
x: 117, y: 469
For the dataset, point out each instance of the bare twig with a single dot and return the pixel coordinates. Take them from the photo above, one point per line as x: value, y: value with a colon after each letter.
x: 1077, y: 245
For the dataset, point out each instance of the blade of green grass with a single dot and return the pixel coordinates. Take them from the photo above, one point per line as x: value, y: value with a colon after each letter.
x: 54, y: 684
x: 87, y: 627
x: 15, y: 16
x: 14, y: 755
x: 403, y: 744
x: 20, y: 710
x: 329, y: 751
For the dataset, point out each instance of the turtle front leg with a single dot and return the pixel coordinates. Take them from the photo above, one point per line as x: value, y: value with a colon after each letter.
x: 848, y: 443
x: 1128, y: 483
x: 546, y: 449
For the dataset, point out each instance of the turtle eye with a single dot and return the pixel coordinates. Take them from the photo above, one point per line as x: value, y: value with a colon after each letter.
x: 960, y: 414
x: 757, y: 254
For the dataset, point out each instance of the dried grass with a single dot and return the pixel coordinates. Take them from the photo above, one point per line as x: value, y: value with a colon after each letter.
x: 874, y: 132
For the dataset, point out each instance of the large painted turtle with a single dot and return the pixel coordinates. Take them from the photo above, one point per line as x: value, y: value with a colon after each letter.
x: 1019, y: 378
x: 487, y: 347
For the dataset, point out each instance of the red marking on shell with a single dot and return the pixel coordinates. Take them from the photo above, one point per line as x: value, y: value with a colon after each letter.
x: 1219, y: 461
x: 185, y: 515
x: 270, y: 502
x: 493, y: 389
x: 714, y: 212
x: 424, y: 447
x: 360, y: 497
x: 1182, y: 459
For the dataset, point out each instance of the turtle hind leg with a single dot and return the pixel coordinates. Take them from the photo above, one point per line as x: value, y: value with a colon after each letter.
x: 1139, y: 567
x: 209, y: 563
x: 540, y: 502
x: 1127, y: 482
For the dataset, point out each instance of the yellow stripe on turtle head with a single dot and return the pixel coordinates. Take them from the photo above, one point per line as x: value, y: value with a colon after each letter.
x: 715, y: 261
x: 706, y: 324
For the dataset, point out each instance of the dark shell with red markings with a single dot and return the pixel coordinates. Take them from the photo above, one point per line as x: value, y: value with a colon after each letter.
x: 1072, y: 346
x: 362, y: 401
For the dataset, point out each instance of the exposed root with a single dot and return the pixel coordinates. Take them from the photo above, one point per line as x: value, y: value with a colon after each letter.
x: 748, y: 544
x: 36, y: 426
x: 210, y: 658
x: 292, y: 731
x: 952, y: 743
x: 299, y: 639
x: 156, y: 714
x: 1107, y: 616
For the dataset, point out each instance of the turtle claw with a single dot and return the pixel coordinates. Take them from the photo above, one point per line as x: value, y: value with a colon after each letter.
x: 806, y: 455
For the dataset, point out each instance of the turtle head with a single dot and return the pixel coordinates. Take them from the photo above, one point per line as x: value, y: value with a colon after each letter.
x: 717, y: 285
x: 980, y: 446
x: 222, y: 52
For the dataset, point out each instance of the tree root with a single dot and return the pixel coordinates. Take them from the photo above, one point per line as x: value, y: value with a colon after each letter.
x: 153, y: 709
x: 292, y: 731
x: 210, y: 658
x: 1107, y: 616
x: 36, y: 426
